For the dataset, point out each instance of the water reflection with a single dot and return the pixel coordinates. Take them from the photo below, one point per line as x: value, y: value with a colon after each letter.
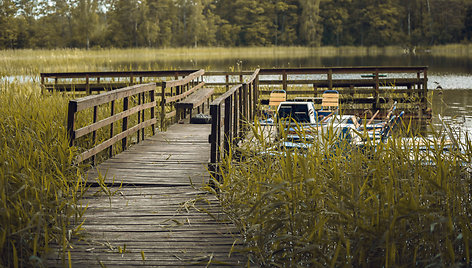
x: 455, y: 106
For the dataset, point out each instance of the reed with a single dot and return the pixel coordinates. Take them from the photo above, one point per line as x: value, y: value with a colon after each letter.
x: 383, y: 205
x: 40, y: 187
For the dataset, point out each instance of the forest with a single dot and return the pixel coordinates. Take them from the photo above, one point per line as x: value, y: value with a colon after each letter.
x: 230, y: 23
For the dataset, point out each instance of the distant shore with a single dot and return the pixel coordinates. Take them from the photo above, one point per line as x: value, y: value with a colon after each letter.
x: 32, y: 62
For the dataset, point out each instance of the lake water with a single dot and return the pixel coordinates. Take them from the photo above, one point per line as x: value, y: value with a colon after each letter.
x: 452, y: 73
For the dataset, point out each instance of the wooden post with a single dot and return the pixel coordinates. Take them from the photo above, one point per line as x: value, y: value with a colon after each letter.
x: 139, y: 117
x: 124, y: 141
x: 213, y: 139
x: 227, y: 126
x: 250, y: 97
x: 94, y: 133
x: 241, y: 110
x: 235, y: 105
x: 376, y: 92
x: 71, y: 114
x: 284, y: 80
x: 227, y: 82
x: 256, y: 92
x: 163, y: 105
x: 142, y: 115
x: 153, y: 112
x: 330, y: 79
x: 112, y: 108
x: 245, y: 102
x: 87, y: 85
x: 43, y: 87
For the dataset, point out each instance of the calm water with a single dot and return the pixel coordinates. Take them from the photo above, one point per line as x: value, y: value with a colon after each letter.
x: 453, y: 73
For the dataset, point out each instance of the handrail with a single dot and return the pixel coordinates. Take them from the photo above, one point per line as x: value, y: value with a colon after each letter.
x: 185, y: 80
x: 118, y: 74
x: 239, y: 104
x: 120, y: 95
x: 99, y: 81
x: 172, y: 91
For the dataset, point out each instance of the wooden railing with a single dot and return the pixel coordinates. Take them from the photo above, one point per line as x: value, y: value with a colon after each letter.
x: 176, y: 90
x: 107, y: 103
x: 230, y: 113
x: 369, y: 88
x: 136, y: 101
x: 89, y: 82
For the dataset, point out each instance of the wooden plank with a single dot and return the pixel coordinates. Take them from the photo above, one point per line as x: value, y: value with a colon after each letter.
x: 185, y: 94
x: 172, y: 226
x: 109, y: 120
x: 196, y: 99
x: 185, y: 80
x: 104, y: 145
x: 94, y: 100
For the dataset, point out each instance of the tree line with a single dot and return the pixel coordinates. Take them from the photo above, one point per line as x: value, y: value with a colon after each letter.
x: 175, y: 23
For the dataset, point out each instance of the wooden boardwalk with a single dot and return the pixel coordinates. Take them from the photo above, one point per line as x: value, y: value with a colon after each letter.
x: 159, y: 217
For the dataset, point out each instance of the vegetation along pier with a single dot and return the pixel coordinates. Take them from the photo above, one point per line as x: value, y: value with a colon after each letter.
x: 149, y: 171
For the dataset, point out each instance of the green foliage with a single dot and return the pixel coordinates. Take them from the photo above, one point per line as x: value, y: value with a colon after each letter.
x: 164, y: 23
x: 40, y: 188
x: 386, y: 205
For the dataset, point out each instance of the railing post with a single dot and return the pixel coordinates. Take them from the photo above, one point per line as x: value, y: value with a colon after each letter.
x: 124, y: 141
x: 152, y: 95
x: 213, y: 139
x: 376, y: 90
x: 245, y: 102
x: 250, y: 99
x: 71, y: 114
x: 227, y: 125
x: 163, y: 105
x: 241, y: 111
x: 142, y: 115
x: 87, y: 85
x: 235, y: 105
x: 330, y: 79
x: 284, y: 80
x: 112, y: 112
x: 94, y: 133
x: 255, y: 99
x: 139, y: 117
x: 43, y: 87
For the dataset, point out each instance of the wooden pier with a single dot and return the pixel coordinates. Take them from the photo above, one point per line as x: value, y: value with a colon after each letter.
x: 159, y: 217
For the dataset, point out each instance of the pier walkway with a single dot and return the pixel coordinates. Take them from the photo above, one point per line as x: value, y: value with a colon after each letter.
x: 159, y: 217
x: 155, y: 212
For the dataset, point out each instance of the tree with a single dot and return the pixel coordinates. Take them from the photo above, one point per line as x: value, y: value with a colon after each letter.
x: 310, y: 29
x: 468, y: 24
x: 84, y: 22
x: 123, y: 23
x: 335, y: 15
x: 8, y: 28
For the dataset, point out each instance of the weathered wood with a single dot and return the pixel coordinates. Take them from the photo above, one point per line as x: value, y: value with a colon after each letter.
x: 121, y: 136
x: 186, y: 79
x: 185, y: 94
x: 94, y: 100
x: 172, y: 226
x: 110, y: 120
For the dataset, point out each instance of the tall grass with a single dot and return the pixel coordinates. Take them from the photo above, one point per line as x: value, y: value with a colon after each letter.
x: 40, y: 188
x: 382, y: 205
x: 32, y: 62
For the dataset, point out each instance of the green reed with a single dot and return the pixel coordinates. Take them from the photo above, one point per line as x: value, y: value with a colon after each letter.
x: 40, y: 188
x: 380, y: 205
